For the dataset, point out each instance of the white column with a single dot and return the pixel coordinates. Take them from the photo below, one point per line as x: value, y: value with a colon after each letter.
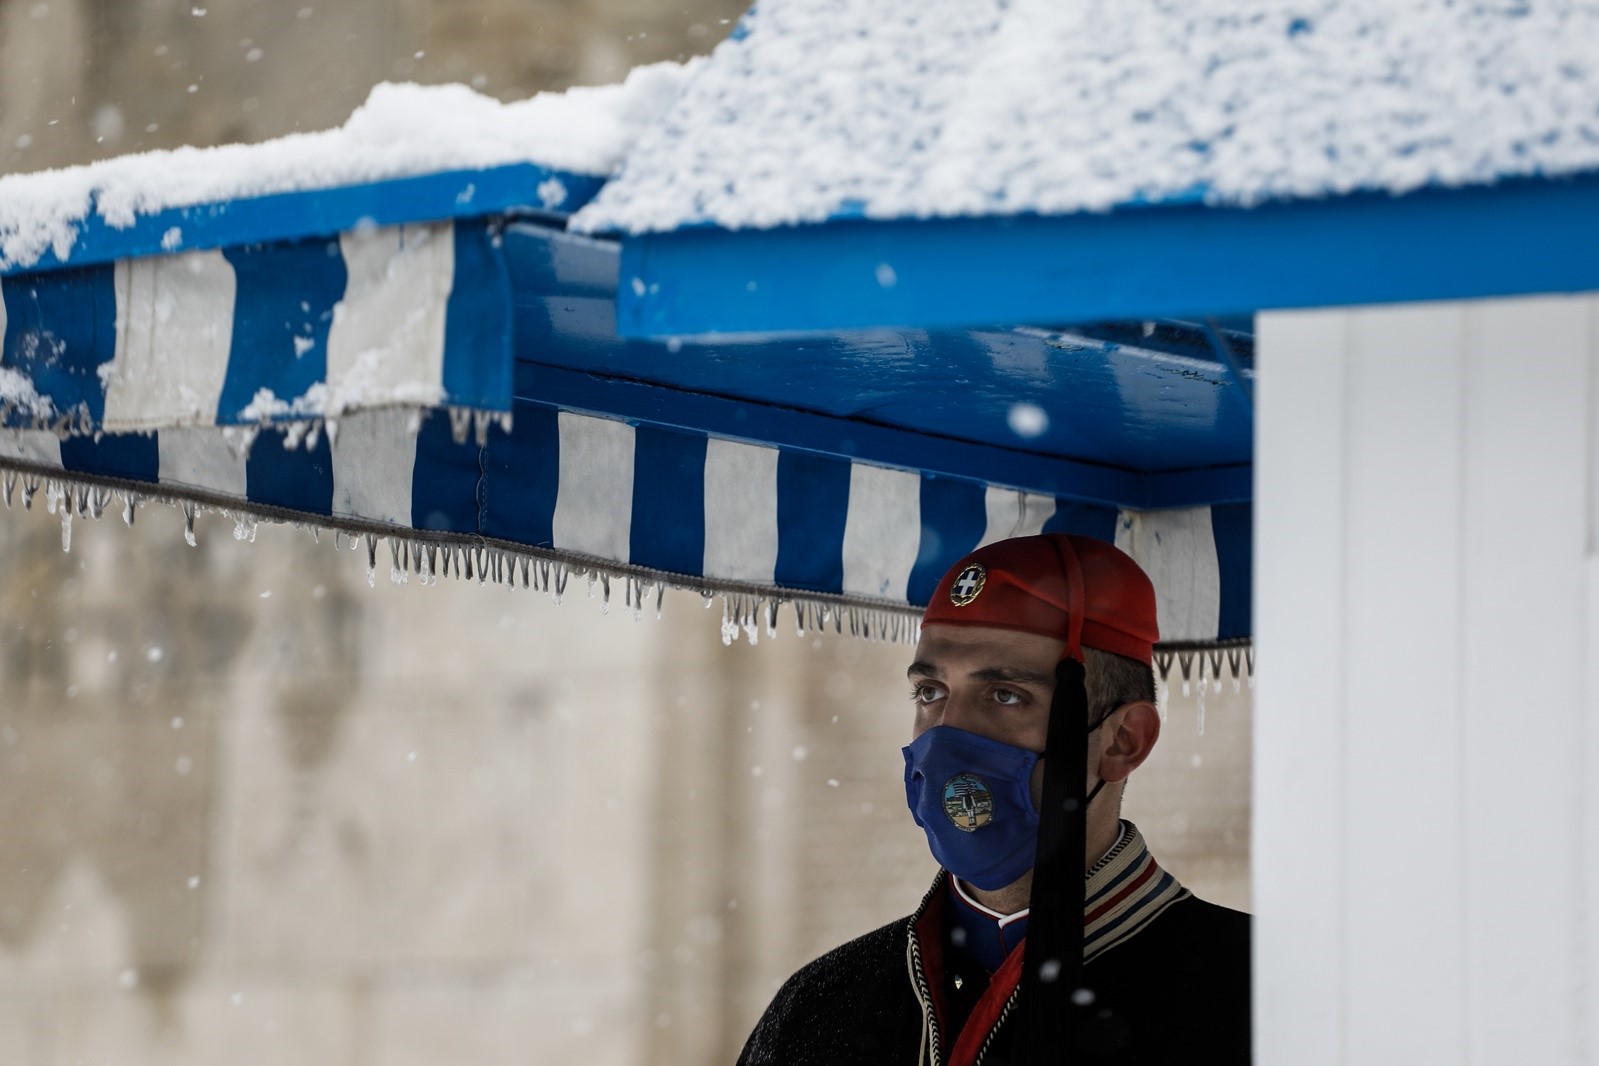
x: 1424, y: 761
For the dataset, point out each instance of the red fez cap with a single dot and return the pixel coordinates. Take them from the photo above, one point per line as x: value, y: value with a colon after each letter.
x: 1078, y: 589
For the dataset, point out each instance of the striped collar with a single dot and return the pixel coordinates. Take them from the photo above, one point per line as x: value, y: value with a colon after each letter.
x: 1127, y: 889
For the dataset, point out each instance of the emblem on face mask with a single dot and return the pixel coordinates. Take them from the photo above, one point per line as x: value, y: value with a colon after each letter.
x: 967, y: 585
x: 968, y: 802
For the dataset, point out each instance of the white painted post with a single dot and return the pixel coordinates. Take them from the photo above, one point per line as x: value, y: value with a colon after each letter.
x: 1425, y: 760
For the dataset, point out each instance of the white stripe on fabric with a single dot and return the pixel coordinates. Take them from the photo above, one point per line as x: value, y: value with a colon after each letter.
x: 1177, y: 549
x: 386, y: 344
x: 2, y: 314
x: 1012, y: 513
x: 173, y: 335
x: 201, y: 459
x: 38, y: 446
x: 374, y: 455
x: 882, y: 531
x: 740, y: 512
x: 594, y: 500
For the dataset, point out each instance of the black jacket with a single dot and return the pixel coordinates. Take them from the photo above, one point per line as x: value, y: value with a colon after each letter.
x: 1177, y: 992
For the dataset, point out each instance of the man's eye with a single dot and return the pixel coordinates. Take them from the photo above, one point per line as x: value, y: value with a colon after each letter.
x: 1007, y: 698
x: 924, y: 694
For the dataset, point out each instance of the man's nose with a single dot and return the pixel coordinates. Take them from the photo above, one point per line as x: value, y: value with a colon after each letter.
x: 960, y: 712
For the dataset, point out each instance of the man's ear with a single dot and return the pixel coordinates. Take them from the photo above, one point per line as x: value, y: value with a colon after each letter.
x: 1132, y: 730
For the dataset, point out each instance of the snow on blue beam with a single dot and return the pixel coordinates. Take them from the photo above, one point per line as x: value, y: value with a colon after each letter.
x: 519, y: 188
x: 825, y: 435
x: 1144, y: 262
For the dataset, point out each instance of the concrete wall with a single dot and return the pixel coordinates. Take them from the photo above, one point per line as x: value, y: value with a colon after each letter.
x: 255, y: 811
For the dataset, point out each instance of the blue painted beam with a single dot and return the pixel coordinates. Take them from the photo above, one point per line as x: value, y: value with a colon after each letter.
x: 771, y: 424
x: 1157, y: 261
x: 510, y: 189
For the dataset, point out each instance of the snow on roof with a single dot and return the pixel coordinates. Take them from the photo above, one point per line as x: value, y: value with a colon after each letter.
x: 918, y: 108
x: 402, y: 130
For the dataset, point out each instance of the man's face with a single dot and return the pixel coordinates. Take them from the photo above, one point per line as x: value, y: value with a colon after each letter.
x: 996, y: 683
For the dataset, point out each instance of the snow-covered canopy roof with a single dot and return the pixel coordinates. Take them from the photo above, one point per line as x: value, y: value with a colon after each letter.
x: 402, y: 131
x: 938, y: 108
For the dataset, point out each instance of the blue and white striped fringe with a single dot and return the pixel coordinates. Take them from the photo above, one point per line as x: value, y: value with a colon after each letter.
x: 843, y: 544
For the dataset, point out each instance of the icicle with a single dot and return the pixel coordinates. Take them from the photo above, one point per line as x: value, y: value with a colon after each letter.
x: 30, y: 485
x: 294, y: 434
x: 480, y: 426
x: 314, y: 435
x: 66, y: 529
x: 1185, y: 660
x: 561, y: 574
x: 10, y: 485
x: 605, y: 592
x: 525, y: 565
x: 750, y: 611
x: 188, y: 524
x: 396, y: 575
x: 660, y: 599
x: 1249, y: 659
x: 482, y: 554
x: 1162, y: 697
x: 331, y: 427
x: 244, y: 527
x: 460, y: 423
x: 127, y: 509
x: 1235, y: 667
x: 371, y: 560
x: 771, y: 618
x: 1204, y: 684
x: 729, y: 627
x: 425, y: 562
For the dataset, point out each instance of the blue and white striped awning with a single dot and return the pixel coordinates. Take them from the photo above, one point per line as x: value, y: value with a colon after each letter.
x: 852, y: 544
x: 306, y: 331
x: 449, y: 378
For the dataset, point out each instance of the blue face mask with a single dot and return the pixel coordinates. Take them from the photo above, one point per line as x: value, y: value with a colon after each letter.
x: 973, y: 798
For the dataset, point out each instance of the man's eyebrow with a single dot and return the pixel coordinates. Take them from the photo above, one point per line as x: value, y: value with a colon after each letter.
x: 1006, y: 673
x: 922, y: 668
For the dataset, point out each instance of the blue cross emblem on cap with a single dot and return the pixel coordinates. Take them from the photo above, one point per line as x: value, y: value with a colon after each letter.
x: 967, y: 585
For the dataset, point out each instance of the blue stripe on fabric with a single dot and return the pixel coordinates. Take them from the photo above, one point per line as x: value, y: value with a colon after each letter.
x: 477, y: 323
x: 282, y: 313
x: 1133, y: 867
x: 1233, y: 526
x: 444, y: 479
x: 299, y: 478
x: 60, y: 328
x: 668, y: 528
x: 134, y: 456
x: 812, y: 501
x: 954, y: 517
x: 1134, y: 906
x: 1083, y: 519
x: 521, y: 478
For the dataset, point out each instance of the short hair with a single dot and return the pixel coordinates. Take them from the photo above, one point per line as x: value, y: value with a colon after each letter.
x: 1112, y: 680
